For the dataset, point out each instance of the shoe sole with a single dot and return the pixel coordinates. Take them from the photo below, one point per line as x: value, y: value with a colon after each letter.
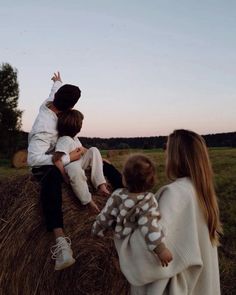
x: 65, y: 265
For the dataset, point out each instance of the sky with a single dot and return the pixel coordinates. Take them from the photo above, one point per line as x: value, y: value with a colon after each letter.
x: 145, y: 67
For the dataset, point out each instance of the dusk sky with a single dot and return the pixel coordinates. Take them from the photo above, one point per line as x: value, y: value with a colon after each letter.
x: 144, y: 67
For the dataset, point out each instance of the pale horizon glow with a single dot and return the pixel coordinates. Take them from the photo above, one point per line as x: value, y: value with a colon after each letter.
x: 145, y: 68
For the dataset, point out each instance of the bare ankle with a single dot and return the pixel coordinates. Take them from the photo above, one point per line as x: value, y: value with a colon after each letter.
x: 58, y: 232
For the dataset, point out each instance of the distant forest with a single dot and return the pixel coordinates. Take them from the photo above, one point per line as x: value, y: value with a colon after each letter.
x: 153, y: 142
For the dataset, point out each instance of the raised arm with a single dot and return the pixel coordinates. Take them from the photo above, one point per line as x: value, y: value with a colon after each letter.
x: 56, y: 78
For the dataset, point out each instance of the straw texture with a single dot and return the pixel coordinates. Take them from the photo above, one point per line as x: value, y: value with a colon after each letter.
x: 25, y: 259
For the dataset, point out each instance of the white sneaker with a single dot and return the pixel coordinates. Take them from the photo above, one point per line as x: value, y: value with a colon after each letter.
x: 62, y: 253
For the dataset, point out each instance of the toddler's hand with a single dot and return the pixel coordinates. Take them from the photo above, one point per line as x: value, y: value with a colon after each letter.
x: 165, y: 257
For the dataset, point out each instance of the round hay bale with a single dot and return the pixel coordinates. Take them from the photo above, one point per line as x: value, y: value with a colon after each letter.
x: 26, y: 264
x: 19, y: 159
x: 113, y: 153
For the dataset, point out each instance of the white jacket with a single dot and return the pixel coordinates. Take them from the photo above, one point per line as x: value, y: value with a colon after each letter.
x: 194, y: 269
x: 43, y: 136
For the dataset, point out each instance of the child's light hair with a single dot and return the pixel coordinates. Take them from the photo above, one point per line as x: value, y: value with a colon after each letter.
x: 187, y: 156
x: 139, y: 173
x: 69, y: 123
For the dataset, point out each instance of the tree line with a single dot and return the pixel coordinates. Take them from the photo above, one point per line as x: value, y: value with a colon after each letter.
x: 10, y: 115
x: 153, y: 142
x: 13, y: 139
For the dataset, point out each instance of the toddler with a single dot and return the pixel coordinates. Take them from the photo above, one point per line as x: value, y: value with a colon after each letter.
x: 133, y: 207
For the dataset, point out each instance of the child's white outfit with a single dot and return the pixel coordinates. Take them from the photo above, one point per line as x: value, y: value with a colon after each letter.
x: 125, y: 212
x: 75, y: 170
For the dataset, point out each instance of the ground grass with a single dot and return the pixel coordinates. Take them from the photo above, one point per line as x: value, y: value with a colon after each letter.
x: 224, y: 166
x: 7, y: 171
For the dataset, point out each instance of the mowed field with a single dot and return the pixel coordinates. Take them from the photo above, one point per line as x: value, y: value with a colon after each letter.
x: 224, y: 166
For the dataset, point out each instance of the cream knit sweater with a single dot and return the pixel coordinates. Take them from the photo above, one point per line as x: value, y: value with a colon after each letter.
x: 194, y: 269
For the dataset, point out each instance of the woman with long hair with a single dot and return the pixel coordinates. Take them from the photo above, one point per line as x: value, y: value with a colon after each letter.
x: 190, y: 216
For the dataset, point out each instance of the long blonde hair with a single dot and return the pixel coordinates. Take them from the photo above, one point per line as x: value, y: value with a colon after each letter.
x: 187, y: 156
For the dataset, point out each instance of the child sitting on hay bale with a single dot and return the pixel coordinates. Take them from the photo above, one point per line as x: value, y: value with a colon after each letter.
x: 68, y: 126
x: 134, y: 207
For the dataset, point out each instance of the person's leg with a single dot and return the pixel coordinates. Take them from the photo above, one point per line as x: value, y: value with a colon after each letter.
x: 92, y: 158
x: 113, y: 175
x: 78, y: 181
x: 51, y: 199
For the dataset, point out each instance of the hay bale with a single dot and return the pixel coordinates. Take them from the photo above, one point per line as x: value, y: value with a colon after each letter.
x: 26, y: 265
x: 113, y: 153
x: 19, y: 159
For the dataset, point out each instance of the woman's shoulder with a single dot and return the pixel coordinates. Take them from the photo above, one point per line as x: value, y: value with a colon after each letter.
x: 181, y: 188
x: 179, y: 184
x: 176, y: 200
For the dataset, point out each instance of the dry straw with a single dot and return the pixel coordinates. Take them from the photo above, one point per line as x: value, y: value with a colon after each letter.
x: 19, y: 159
x: 26, y: 266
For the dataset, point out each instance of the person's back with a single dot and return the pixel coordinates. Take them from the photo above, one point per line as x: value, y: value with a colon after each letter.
x: 195, y: 259
x: 190, y: 215
x: 44, y: 127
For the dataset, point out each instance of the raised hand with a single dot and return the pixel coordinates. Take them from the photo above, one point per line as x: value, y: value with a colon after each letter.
x: 56, y: 77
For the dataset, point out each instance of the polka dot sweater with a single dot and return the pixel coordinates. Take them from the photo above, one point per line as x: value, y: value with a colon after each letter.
x: 124, y: 212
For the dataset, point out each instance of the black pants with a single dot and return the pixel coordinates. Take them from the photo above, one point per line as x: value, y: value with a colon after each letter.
x: 51, y: 194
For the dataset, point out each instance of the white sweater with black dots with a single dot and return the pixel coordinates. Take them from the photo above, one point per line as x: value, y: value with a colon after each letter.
x: 124, y: 212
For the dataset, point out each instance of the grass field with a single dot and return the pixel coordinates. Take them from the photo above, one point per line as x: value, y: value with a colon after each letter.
x: 224, y: 166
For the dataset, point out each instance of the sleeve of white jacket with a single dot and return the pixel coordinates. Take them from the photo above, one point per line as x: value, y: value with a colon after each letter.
x: 37, y: 149
x: 56, y: 85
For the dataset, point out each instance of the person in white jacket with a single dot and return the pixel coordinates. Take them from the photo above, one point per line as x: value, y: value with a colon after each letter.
x: 42, y: 140
x: 41, y: 146
x: 190, y: 215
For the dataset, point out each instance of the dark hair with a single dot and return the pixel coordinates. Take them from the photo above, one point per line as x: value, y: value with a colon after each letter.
x: 139, y: 173
x: 69, y: 123
x: 66, y: 97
